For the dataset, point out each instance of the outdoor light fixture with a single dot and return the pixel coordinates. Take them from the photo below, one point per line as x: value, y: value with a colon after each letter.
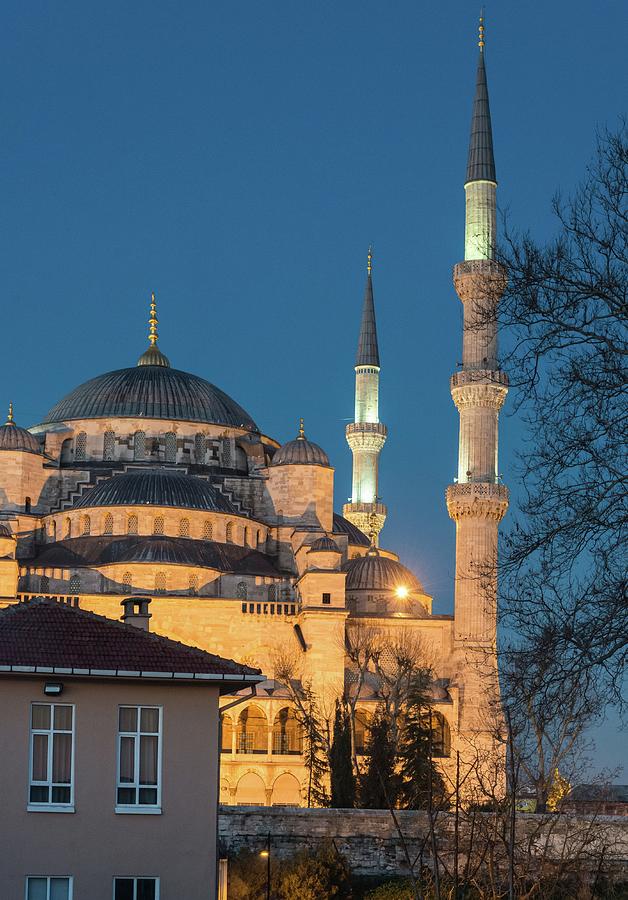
x: 401, y: 592
x: 53, y: 688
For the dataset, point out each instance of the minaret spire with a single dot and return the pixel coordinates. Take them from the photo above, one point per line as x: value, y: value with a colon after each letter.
x: 366, y: 435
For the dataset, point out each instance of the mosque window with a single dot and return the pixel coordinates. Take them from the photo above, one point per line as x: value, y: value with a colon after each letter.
x: 287, y: 734
x: 160, y: 583
x: 246, y: 536
x: 86, y: 525
x: 184, y: 528
x: 441, y: 738
x: 127, y: 582
x: 208, y: 531
x: 158, y: 525
x: 68, y: 528
x: 44, y: 584
x: 27, y: 504
x: 226, y: 727
x: 75, y: 584
x: 327, y: 599
x: 108, y: 524
x: 361, y: 731
x: 226, y: 453
x: 229, y: 533
x: 109, y: 443
x: 252, y: 731
x: 139, y: 445
x: 131, y: 525
x: 258, y: 539
x: 80, y: 446
x: 241, y: 590
x: 200, y: 448
x: 53, y: 530
x: 193, y: 585
x: 272, y: 593
x: 171, y: 447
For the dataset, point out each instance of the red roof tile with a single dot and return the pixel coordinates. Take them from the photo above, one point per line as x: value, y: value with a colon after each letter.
x: 42, y: 632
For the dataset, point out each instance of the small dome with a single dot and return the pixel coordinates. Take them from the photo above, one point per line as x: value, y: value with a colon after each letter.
x: 12, y: 437
x: 154, y: 357
x: 155, y: 487
x: 324, y: 545
x: 378, y: 573
x: 300, y: 452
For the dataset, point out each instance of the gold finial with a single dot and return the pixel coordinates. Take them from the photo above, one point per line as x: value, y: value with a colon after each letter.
x: 10, y: 416
x: 481, y: 31
x: 369, y: 261
x: 301, y: 435
x: 152, y: 321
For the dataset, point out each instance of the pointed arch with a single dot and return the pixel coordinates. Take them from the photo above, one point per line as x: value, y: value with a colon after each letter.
x: 287, y: 733
x: 252, y: 735
x: 139, y: 445
x: 86, y: 525
x: 184, y: 527
x: 158, y: 525
x: 131, y: 524
x: 108, y: 527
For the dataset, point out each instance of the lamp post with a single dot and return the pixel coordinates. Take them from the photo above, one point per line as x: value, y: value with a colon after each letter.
x: 266, y: 854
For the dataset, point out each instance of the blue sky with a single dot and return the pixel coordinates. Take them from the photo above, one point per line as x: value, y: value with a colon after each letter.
x: 238, y: 158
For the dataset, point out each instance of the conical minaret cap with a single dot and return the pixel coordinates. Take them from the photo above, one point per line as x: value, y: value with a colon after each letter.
x: 368, y: 351
x: 481, y: 162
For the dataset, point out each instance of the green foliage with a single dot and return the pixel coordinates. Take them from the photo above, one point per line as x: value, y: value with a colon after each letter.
x: 314, y: 876
x: 379, y: 784
x: 422, y: 784
x: 247, y: 876
x: 398, y: 889
x: 342, y: 776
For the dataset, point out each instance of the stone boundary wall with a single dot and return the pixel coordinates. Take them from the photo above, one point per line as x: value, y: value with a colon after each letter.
x: 371, y: 844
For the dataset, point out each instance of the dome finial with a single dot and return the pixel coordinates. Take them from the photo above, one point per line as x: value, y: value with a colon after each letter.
x: 9, y: 420
x: 481, y: 31
x: 301, y: 434
x: 153, y: 321
x: 153, y: 355
x: 369, y: 260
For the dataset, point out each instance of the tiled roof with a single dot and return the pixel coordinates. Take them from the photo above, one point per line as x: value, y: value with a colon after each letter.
x: 344, y: 526
x: 44, y: 633
x: 157, y: 487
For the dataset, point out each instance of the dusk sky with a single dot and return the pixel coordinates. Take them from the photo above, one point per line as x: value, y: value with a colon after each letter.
x: 238, y: 158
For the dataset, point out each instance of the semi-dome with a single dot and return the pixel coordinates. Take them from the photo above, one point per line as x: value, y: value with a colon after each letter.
x: 300, y: 452
x: 379, y: 573
x: 155, y: 487
x: 151, y: 392
x: 324, y: 545
x: 12, y: 437
x: 344, y: 526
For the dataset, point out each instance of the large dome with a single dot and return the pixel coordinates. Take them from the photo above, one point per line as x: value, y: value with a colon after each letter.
x: 379, y: 573
x: 151, y: 392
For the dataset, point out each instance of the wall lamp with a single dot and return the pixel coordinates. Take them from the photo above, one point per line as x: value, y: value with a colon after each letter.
x: 53, y: 688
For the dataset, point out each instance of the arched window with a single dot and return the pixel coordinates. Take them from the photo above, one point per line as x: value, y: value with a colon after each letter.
x: 361, y: 730
x: 227, y: 733
x: 193, y: 585
x: 67, y: 531
x: 108, y: 445
x: 184, y: 528
x: 252, y: 731
x: 80, y: 446
x: 108, y: 524
x: 75, y: 584
x: 53, y: 530
x: 287, y: 735
x: 158, y: 525
x: 127, y: 583
x: 441, y: 737
x: 139, y: 445
x: 160, y: 583
x: 229, y: 533
x: 286, y: 791
x: 208, y: 531
x: 241, y: 591
x: 44, y: 584
x: 86, y: 524
x: 258, y: 539
x: 272, y: 592
x: 200, y: 448
x: 27, y: 504
x: 226, y: 453
x: 131, y: 525
x: 246, y: 536
x: 171, y: 446
x: 251, y: 791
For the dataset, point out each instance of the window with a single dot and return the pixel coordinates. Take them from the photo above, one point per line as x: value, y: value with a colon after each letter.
x: 136, y: 889
x: 139, y: 445
x: 246, y: 537
x: 53, y: 530
x: 27, y: 504
x: 108, y: 524
x: 86, y: 524
x: 139, y: 756
x: 241, y: 591
x: 171, y: 447
x: 272, y: 592
x: 108, y: 445
x: 68, y: 528
x: 327, y: 598
x: 226, y: 728
x: 80, y: 446
x: 193, y: 584
x: 127, y: 582
x: 229, y: 532
x: 441, y: 739
x: 158, y: 525
x: 51, y: 752
x: 43, y: 887
x: 200, y: 448
x: 131, y: 525
x: 44, y: 584
x: 252, y: 731
x: 208, y: 531
x: 75, y: 584
x: 258, y: 540
x: 287, y: 737
x: 226, y: 453
x: 160, y: 583
x: 184, y: 528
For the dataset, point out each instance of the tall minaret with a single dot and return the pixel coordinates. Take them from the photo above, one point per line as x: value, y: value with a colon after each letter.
x: 366, y: 435
x: 477, y: 501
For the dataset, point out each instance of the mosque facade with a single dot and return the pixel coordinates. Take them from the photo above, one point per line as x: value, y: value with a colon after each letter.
x: 152, y: 481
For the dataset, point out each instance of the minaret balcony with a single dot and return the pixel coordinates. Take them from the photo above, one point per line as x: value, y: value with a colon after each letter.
x: 366, y: 435
x: 479, y: 376
x: 477, y: 499
x: 480, y: 279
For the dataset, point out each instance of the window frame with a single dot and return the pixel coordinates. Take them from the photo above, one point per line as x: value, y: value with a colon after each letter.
x: 68, y: 878
x: 135, y: 879
x: 49, y: 805
x: 138, y: 808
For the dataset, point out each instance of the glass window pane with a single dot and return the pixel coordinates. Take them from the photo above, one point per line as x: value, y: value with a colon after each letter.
x: 37, y: 889
x: 148, y: 796
x: 123, y: 889
x: 61, y: 758
x: 40, y: 757
x: 148, y: 759
x: 63, y: 718
x: 127, y: 760
x: 59, y: 888
x: 128, y: 718
x: 145, y: 889
x: 41, y: 715
x: 149, y: 720
x: 60, y: 794
x: 126, y: 796
x: 39, y: 795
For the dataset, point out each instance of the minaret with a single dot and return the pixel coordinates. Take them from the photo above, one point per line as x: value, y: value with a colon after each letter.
x: 366, y: 435
x: 477, y: 501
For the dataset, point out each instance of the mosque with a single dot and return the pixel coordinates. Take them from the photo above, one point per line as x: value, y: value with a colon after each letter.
x: 151, y: 481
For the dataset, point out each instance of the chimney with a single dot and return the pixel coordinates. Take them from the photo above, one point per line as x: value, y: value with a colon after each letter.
x: 136, y: 612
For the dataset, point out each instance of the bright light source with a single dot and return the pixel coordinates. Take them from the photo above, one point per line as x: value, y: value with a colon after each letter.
x: 263, y: 853
x: 402, y: 591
